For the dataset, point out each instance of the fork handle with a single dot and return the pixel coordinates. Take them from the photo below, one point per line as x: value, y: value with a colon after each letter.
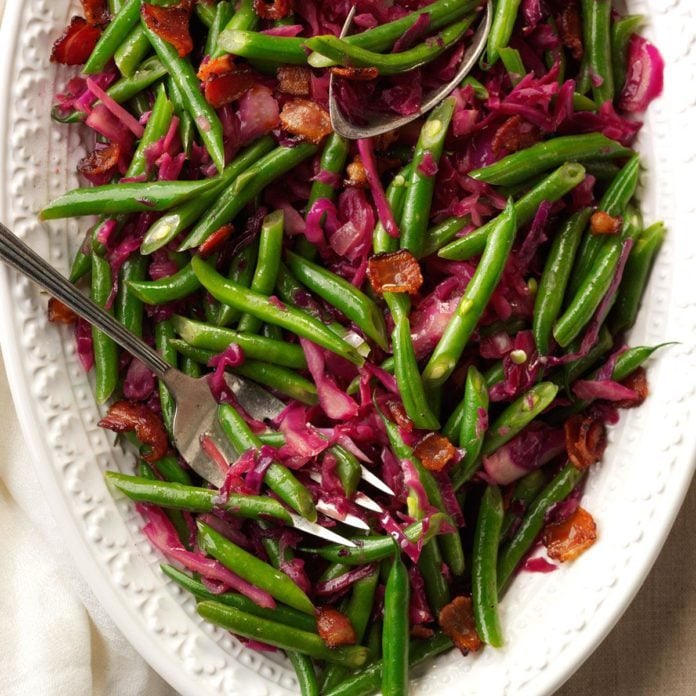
x: 17, y: 254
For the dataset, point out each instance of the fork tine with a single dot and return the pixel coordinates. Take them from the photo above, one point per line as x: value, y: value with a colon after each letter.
x: 317, y: 530
x: 370, y: 478
x: 330, y: 510
x: 258, y: 402
x: 366, y: 502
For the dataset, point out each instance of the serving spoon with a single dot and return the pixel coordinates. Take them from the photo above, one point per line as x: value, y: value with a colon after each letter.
x: 195, y: 416
x: 379, y: 123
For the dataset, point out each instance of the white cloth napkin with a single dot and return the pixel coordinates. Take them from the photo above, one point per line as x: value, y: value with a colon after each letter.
x: 55, y: 637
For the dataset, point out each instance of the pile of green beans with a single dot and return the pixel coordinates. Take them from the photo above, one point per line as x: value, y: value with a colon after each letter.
x: 233, y: 235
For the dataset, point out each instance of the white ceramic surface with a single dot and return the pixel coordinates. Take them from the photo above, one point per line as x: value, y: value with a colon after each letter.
x: 553, y: 621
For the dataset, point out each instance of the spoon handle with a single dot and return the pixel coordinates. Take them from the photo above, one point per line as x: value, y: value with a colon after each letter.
x: 17, y: 254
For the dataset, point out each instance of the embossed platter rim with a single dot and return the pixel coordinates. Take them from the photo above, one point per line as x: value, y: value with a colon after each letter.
x: 546, y: 640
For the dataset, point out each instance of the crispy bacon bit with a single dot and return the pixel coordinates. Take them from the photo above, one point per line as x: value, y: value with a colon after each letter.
x: 212, y: 67
x: 422, y: 632
x: 335, y: 628
x: 565, y: 541
x: 215, y: 240
x: 603, y: 223
x: 76, y: 43
x: 171, y: 23
x: 277, y: 9
x: 357, y: 174
x: 513, y: 135
x: 295, y: 80
x: 96, y: 12
x: 355, y: 74
x: 397, y: 271
x: 124, y: 416
x: 457, y: 621
x: 100, y: 165
x: 398, y: 414
x: 586, y: 440
x: 435, y: 451
x: 58, y: 313
x: 570, y: 29
x: 638, y: 382
x: 223, y: 89
x: 306, y: 119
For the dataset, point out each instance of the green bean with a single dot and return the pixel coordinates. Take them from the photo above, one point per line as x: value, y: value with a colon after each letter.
x: 190, y: 367
x: 272, y: 438
x: 341, y: 52
x: 216, y: 339
x: 630, y: 360
x: 621, y: 31
x: 358, y: 610
x: 342, y: 295
x: 332, y: 162
x: 473, y: 423
x: 264, y: 279
x: 145, y: 75
x: 635, y: 278
x: 551, y: 189
x: 512, y: 60
x: 381, y: 38
x: 280, y: 614
x: 479, y: 290
x: 155, y: 292
x: 112, y: 37
x: 526, y: 164
x: 203, y: 115
x: 419, y: 195
x: 129, y: 309
x: 198, y: 355
x: 170, y: 470
x: 554, y: 279
x: 104, y: 348
x: 277, y: 477
x: 347, y: 468
x: 172, y: 224
x: 206, y: 13
x: 504, y: 18
x: 175, y: 516
x: 395, y: 630
x: 430, y: 567
x: 241, y: 272
x: 283, y: 50
x: 245, y: 188
x: 287, y: 317
x: 484, y: 584
x: 382, y: 241
x: 185, y: 120
x: 132, y: 51
x: 526, y: 489
x: 590, y: 293
x: 596, y: 15
x: 373, y: 643
x: 223, y: 13
x: 575, y: 369
x: 367, y: 681
x: 376, y: 548
x: 557, y: 490
x: 443, y: 233
x: 281, y: 636
x: 304, y: 670
x: 614, y: 202
x: 118, y: 199
x: 280, y: 379
x: 253, y: 570
x: 82, y: 261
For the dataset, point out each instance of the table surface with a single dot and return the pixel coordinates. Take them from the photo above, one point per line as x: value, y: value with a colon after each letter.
x: 650, y: 651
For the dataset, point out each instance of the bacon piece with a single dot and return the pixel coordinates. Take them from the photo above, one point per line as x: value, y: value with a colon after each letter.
x: 277, y: 9
x: 398, y: 414
x: 100, y: 165
x: 335, y: 628
x: 570, y: 29
x: 586, y: 440
x: 637, y: 381
x: 603, y: 223
x: 295, y: 80
x: 514, y: 134
x: 76, y: 43
x: 58, y: 313
x: 212, y: 67
x: 397, y: 271
x: 96, y: 12
x: 457, y: 621
x: 306, y: 119
x: 565, y: 541
x: 171, y: 23
x: 355, y: 74
x: 215, y: 240
x: 357, y: 174
x: 124, y: 416
x: 435, y: 451
x: 224, y: 89
x: 421, y: 631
